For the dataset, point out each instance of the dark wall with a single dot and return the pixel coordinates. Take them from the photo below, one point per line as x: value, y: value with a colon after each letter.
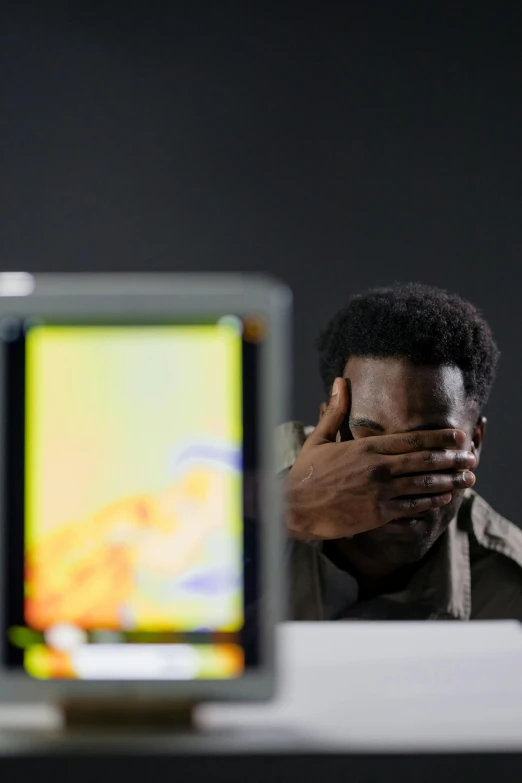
x: 336, y: 145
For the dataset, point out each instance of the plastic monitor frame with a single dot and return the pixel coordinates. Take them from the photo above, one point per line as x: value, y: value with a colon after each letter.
x: 114, y: 296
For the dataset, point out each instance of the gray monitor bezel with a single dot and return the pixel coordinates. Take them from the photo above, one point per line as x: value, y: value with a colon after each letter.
x: 116, y: 296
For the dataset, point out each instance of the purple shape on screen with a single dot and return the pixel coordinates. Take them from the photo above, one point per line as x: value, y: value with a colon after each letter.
x: 231, y: 457
x: 209, y: 582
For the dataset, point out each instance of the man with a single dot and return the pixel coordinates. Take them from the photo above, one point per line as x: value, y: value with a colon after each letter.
x: 381, y: 515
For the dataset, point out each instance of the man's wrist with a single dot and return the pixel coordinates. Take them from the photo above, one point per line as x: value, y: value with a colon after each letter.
x: 297, y: 521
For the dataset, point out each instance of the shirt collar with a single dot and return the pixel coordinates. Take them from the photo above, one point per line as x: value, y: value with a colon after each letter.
x: 444, y: 580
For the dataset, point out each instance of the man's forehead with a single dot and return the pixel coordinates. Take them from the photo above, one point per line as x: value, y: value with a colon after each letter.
x: 383, y: 386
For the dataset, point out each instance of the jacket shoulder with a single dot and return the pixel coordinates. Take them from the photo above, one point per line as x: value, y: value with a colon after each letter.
x: 492, y: 531
x: 496, y: 563
x: 290, y: 438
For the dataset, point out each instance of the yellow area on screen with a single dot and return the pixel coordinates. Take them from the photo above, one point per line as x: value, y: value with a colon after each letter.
x: 133, y: 491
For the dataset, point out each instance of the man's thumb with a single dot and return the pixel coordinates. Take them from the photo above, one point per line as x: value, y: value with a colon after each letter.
x: 333, y: 416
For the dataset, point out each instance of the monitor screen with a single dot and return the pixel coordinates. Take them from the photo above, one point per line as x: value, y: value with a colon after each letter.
x: 127, y: 537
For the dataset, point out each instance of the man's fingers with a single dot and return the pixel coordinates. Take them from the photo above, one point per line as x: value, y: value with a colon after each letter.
x: 427, y: 461
x: 406, y: 442
x: 412, y: 506
x: 333, y: 417
x: 432, y: 483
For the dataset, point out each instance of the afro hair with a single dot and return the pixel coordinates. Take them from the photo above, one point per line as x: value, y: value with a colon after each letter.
x: 424, y: 324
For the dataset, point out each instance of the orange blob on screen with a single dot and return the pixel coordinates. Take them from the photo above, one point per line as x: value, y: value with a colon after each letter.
x: 133, y: 479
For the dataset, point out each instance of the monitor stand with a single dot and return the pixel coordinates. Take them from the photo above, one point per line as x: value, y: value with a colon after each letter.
x: 127, y: 713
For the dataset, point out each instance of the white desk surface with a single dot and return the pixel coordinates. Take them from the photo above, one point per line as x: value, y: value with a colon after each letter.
x: 395, y: 686
x: 365, y: 687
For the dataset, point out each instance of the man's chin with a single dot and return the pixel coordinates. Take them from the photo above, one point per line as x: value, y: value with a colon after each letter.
x: 400, y: 541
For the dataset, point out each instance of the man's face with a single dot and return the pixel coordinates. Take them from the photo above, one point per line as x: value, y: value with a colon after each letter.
x: 391, y: 396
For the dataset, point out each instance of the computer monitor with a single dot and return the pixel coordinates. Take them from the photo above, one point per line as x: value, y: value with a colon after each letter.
x: 141, y: 532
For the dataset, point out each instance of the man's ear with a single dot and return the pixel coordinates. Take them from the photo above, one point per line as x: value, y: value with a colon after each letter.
x: 477, y: 436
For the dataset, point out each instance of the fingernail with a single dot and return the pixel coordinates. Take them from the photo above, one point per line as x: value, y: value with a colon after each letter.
x: 335, y: 389
x: 460, y: 437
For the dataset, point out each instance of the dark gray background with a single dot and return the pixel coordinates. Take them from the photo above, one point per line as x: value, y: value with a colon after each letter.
x: 335, y: 145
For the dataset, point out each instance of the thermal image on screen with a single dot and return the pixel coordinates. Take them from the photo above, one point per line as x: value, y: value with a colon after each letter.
x: 133, y: 489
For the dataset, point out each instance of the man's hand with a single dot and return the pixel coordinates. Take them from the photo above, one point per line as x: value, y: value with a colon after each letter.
x: 338, y: 489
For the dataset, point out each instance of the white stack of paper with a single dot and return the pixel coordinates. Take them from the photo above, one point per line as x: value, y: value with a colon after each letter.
x: 404, y: 686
